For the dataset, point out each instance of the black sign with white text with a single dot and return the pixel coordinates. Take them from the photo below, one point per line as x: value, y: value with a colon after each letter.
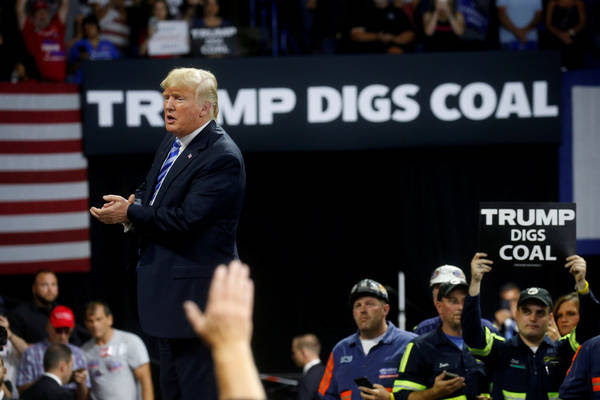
x: 527, y: 234
x: 337, y: 103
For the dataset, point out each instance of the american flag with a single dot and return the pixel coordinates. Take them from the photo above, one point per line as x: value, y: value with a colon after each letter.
x: 44, y: 222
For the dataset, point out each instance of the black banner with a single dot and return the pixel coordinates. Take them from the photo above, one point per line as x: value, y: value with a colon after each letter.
x: 337, y: 103
x: 527, y: 234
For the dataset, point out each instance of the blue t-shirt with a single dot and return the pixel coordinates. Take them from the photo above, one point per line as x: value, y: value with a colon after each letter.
x: 105, y: 51
x: 457, y: 340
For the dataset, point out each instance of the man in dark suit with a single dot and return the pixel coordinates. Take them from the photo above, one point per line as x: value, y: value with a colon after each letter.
x: 187, y: 213
x: 305, y: 352
x: 58, y: 367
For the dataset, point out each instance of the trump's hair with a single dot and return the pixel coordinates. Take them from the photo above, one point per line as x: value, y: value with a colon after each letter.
x: 203, y: 82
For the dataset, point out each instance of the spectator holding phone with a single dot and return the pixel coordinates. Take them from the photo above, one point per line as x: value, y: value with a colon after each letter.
x: 374, y: 352
x: 438, y: 364
x: 443, y: 26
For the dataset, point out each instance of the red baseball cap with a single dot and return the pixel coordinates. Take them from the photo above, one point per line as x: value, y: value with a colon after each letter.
x: 62, y: 317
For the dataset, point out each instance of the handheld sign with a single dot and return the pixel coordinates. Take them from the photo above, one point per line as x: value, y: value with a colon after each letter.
x: 527, y: 234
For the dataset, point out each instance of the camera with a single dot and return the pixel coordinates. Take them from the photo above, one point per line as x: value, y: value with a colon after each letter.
x: 3, y: 336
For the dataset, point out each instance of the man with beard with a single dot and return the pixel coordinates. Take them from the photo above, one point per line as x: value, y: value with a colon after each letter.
x: 29, y: 320
x: 438, y: 364
x: 373, y: 352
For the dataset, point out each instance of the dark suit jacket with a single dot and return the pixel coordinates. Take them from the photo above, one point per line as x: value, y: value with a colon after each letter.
x: 47, y: 388
x: 309, y: 384
x: 189, y: 230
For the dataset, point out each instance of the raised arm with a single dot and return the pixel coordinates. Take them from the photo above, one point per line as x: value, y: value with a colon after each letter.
x: 21, y: 14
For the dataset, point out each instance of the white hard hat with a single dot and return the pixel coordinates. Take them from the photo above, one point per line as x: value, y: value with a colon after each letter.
x: 445, y: 273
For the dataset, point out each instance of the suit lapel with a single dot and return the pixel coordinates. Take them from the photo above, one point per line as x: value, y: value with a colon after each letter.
x: 188, y: 156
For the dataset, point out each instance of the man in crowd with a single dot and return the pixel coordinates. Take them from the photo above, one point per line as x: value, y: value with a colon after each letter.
x: 438, y: 364
x: 518, y: 23
x: 59, y: 328
x: 29, y: 320
x: 115, y: 359
x: 44, y: 36
x: 373, y: 352
x: 305, y: 352
x: 58, y: 370
x: 529, y: 365
x: 504, y: 318
x: 187, y: 214
x: 443, y: 274
x: 583, y: 378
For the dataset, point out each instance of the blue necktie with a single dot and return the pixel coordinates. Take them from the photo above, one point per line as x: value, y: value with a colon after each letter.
x: 166, y: 166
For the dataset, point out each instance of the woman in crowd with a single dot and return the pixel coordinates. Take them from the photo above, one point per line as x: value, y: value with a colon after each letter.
x: 160, y: 12
x: 565, y: 20
x: 566, y: 313
x: 443, y: 26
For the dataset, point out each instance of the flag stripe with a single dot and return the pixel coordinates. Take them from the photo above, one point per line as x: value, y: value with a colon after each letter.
x: 42, y: 207
x: 46, y: 251
x: 75, y: 175
x: 50, y: 162
x: 43, y: 191
x: 41, y: 102
x: 76, y: 265
x: 40, y: 147
x: 44, y: 217
x: 42, y: 117
x: 70, y: 235
x: 38, y: 88
x: 40, y: 132
x: 44, y: 222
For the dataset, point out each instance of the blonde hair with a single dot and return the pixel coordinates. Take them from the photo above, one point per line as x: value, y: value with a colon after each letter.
x: 203, y: 82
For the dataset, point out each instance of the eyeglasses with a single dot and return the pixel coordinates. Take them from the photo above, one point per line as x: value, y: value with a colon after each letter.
x: 63, y: 330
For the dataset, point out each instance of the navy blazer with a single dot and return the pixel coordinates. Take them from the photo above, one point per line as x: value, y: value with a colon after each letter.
x: 189, y: 230
x: 47, y: 388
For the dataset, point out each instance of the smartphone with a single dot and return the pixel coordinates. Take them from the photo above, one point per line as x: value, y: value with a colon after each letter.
x: 450, y: 375
x: 363, y: 381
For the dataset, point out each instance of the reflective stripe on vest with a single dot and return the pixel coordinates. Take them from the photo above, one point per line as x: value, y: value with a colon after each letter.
x: 408, y: 385
x: 513, y: 395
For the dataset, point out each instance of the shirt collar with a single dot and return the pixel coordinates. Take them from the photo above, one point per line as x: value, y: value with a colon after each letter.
x: 187, y: 139
x: 56, y: 378
x: 309, y: 365
x: 387, y: 336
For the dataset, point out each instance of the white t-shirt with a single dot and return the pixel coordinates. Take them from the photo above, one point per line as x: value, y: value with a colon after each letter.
x: 368, y: 344
x: 111, y: 366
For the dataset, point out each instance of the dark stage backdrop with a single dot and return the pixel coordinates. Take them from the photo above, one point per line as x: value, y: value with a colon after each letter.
x: 314, y: 223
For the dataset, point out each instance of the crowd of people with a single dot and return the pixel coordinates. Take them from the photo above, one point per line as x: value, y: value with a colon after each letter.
x: 51, y: 38
x: 534, y: 349
x: 48, y: 355
x: 549, y: 352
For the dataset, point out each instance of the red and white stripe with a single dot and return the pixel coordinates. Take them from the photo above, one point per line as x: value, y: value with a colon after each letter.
x: 44, y: 222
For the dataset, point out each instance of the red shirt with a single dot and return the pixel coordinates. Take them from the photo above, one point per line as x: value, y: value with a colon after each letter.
x: 48, y: 48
